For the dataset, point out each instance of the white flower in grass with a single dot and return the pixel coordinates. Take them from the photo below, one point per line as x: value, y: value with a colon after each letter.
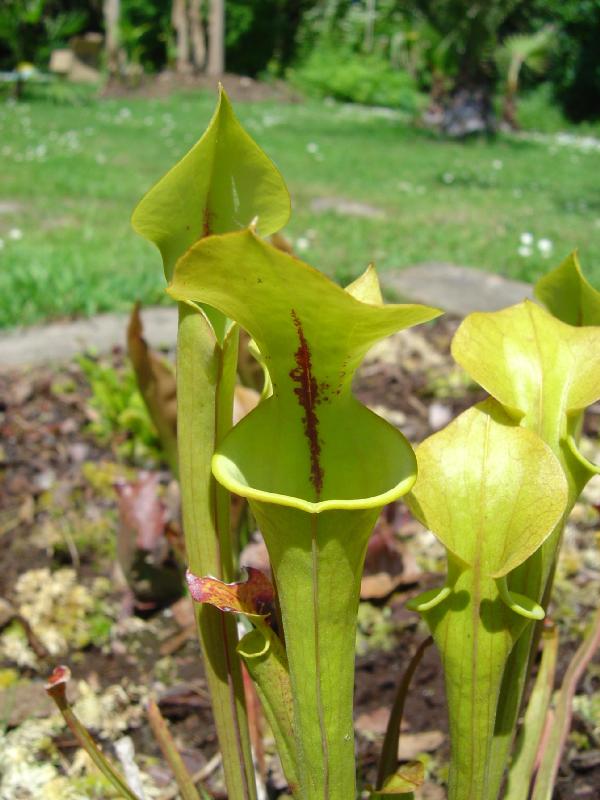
x: 302, y: 244
x: 527, y: 239
x: 497, y: 164
x: 16, y: 234
x: 524, y: 251
x: 312, y: 147
x: 545, y: 247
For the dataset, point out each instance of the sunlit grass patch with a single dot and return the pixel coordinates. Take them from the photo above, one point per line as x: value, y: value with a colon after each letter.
x: 71, y: 176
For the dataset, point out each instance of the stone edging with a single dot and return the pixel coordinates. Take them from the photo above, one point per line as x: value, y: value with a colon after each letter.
x: 458, y: 290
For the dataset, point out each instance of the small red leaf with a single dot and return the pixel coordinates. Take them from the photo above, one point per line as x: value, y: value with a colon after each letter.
x: 253, y: 597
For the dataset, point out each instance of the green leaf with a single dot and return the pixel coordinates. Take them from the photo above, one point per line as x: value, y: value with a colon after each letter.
x: 492, y: 492
x: 545, y: 372
x: 300, y: 458
x: 366, y: 287
x: 403, y: 783
x: 568, y: 295
x: 312, y: 335
x: 538, y: 367
x: 225, y: 182
x: 222, y: 184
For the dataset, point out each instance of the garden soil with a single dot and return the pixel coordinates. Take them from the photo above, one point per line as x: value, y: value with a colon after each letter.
x: 69, y: 594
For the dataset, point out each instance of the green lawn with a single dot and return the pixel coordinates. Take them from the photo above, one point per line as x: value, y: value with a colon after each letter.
x: 70, y: 176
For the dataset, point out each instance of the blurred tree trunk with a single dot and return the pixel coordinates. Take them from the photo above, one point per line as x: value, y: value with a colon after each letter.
x: 216, y: 38
x: 371, y: 17
x: 197, y: 34
x: 509, y: 111
x: 179, y: 20
x: 112, y: 12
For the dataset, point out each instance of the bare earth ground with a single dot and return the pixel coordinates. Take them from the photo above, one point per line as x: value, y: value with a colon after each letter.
x: 59, y: 521
x: 239, y: 87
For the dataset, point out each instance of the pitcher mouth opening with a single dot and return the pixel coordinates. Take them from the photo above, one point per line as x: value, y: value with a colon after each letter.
x: 267, y: 464
x: 225, y: 471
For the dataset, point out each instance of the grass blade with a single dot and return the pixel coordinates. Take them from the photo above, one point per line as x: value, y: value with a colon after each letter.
x: 528, y: 742
x: 563, y: 713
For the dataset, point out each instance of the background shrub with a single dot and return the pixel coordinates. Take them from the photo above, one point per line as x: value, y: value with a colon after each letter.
x: 358, y: 78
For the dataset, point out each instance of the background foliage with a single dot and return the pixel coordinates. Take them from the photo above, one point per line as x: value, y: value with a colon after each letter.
x: 380, y: 52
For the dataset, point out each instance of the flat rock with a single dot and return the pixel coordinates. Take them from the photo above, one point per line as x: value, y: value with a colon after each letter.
x: 62, y: 341
x: 347, y: 208
x: 458, y: 290
x: 9, y: 207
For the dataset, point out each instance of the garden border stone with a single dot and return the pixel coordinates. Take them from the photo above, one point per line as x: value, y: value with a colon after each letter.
x: 457, y: 290
x: 61, y: 341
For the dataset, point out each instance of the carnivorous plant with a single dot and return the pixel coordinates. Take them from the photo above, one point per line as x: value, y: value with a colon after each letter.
x: 317, y: 467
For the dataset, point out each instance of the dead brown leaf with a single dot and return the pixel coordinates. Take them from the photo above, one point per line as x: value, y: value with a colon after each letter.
x: 387, y: 565
x: 183, y: 612
x: 244, y: 401
x: 143, y: 548
x: 412, y: 744
x: 156, y: 381
x: 373, y: 723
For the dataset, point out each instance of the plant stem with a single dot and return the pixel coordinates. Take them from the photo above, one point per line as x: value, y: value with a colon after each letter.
x: 319, y: 619
x: 205, y: 381
x: 56, y: 688
x: 475, y: 642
